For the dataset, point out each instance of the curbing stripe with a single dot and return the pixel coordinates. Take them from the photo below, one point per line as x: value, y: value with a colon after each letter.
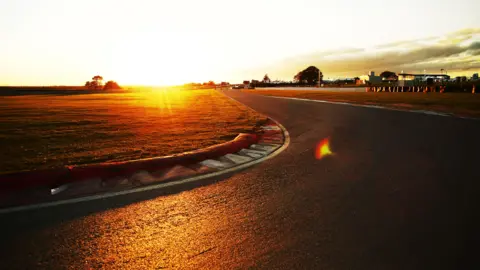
x: 250, y: 154
x: 53, y: 178
x: 251, y: 151
x: 215, y: 164
x: 265, y: 147
x: 142, y: 177
x: 154, y: 186
x: 237, y: 159
x: 55, y: 191
x: 270, y: 128
x: 272, y: 140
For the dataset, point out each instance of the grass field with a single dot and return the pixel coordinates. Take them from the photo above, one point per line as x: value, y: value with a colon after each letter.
x: 462, y: 104
x: 46, y: 131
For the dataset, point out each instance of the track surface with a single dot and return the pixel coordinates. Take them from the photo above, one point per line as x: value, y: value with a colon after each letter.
x: 401, y: 192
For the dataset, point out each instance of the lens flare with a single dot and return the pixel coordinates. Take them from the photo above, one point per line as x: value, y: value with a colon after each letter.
x: 323, y: 149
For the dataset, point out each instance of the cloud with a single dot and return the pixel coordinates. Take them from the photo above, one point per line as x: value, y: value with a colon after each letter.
x: 456, y: 51
x: 405, y: 43
x: 465, y: 32
x: 323, y: 54
x: 450, y: 38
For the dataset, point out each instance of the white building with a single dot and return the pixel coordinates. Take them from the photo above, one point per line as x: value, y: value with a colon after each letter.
x: 406, y: 79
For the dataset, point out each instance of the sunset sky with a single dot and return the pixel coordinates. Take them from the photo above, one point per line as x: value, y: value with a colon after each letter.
x: 159, y: 42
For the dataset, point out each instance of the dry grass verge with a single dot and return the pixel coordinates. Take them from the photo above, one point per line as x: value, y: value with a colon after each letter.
x: 461, y: 104
x: 46, y: 131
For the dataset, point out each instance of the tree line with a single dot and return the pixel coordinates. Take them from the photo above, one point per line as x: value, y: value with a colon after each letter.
x: 97, y: 84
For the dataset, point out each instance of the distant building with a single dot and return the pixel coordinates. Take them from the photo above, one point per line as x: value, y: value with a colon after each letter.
x: 390, y: 79
x: 371, y: 78
x: 406, y: 79
x: 247, y: 84
x: 461, y: 79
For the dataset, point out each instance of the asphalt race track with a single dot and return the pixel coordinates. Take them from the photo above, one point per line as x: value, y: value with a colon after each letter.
x: 401, y: 191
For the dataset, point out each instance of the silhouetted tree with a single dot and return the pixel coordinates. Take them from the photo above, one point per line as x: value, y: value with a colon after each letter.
x: 310, y: 75
x: 111, y: 85
x: 97, y: 80
x: 297, y: 77
x: 388, y: 74
x: 91, y: 84
x: 266, y: 79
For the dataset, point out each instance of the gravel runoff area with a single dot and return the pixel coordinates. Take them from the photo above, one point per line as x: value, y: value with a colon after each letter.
x: 460, y: 104
x: 54, y: 130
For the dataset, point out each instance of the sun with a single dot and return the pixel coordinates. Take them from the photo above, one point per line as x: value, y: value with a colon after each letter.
x: 167, y: 60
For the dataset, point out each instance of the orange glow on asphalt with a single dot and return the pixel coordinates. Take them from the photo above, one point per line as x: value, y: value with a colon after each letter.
x: 323, y: 149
